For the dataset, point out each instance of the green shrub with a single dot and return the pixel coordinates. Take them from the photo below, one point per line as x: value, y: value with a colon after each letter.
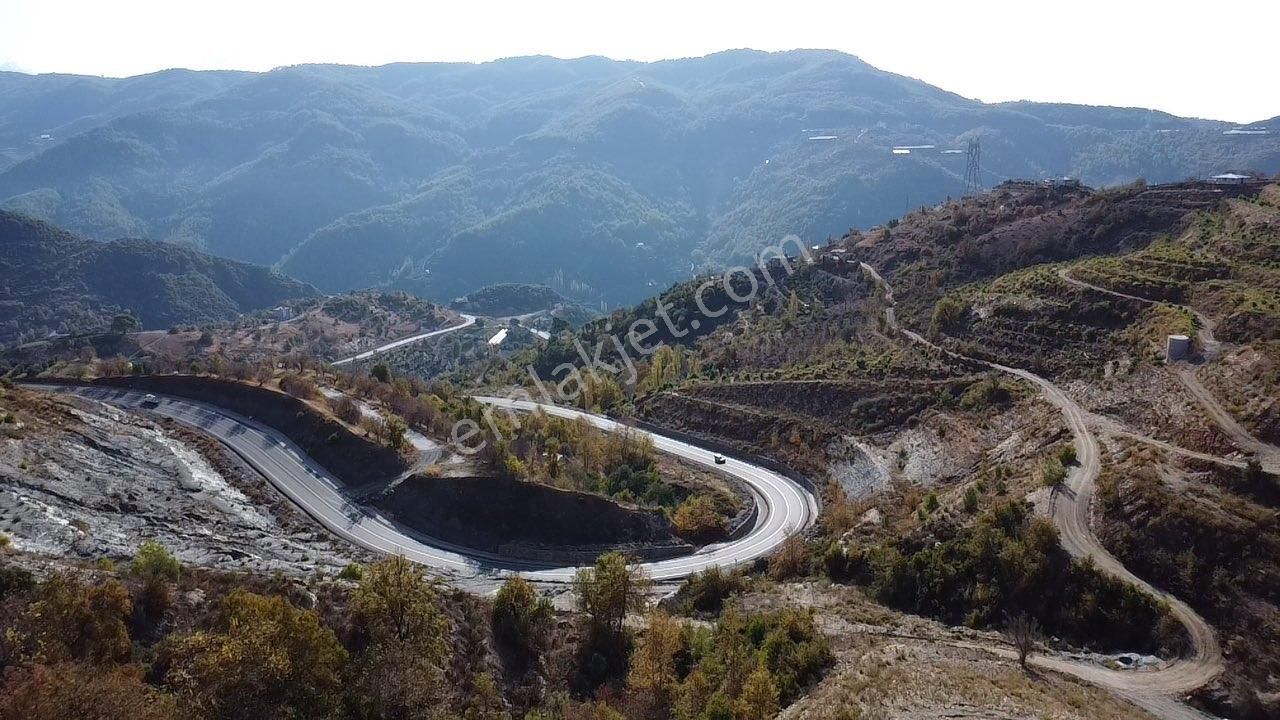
x: 157, y: 568
x: 15, y: 580
x: 987, y: 392
x: 521, y: 618
x: 706, y: 592
x: 931, y: 503
x: 948, y: 313
x: 153, y: 561
x: 844, y: 564
x: 1067, y: 455
x: 1052, y: 472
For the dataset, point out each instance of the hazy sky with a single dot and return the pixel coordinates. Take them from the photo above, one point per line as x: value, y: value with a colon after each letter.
x: 1213, y: 60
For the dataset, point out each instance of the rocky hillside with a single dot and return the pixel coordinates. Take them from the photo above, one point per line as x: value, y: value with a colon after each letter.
x: 57, y: 282
x: 84, y: 480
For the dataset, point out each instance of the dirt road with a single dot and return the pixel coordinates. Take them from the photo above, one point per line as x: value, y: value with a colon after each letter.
x: 1153, y: 690
x: 1268, y: 455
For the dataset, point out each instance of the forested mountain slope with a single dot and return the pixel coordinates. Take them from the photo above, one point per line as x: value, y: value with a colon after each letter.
x: 54, y: 281
x: 602, y: 179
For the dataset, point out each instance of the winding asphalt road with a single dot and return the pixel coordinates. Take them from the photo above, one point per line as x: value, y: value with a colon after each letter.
x: 1150, y: 689
x: 784, y: 507
x: 467, y: 321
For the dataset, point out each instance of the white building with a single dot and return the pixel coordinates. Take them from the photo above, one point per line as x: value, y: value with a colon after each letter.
x: 1229, y: 179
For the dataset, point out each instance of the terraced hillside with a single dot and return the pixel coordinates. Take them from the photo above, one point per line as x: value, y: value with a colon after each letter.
x: 918, y: 443
x: 1189, y: 495
x: 1018, y: 225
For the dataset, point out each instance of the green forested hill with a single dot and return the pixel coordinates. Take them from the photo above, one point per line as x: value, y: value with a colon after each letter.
x: 54, y: 281
x: 600, y: 178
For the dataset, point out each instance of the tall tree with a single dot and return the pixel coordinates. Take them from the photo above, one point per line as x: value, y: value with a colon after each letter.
x: 264, y: 659
x: 521, y: 618
x: 653, y: 664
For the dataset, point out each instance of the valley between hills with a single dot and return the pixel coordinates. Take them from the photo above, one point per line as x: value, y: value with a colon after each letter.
x: 874, y: 480
x: 426, y: 383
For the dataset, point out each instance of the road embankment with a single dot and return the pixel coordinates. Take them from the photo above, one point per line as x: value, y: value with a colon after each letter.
x: 527, y: 520
x: 359, y: 463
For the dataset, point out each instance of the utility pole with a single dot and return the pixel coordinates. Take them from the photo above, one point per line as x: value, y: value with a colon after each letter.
x: 973, y: 167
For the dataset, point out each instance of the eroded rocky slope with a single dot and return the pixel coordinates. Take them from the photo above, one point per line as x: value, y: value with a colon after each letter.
x: 87, y: 480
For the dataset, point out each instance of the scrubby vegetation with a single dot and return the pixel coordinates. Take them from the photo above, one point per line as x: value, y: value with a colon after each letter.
x: 1213, y: 541
x: 508, y: 299
x: 1009, y: 563
x: 705, y: 593
x: 624, y: 465
x: 386, y: 642
x: 742, y: 667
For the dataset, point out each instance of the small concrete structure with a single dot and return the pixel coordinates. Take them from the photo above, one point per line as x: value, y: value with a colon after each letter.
x: 1177, y: 348
x: 1230, y: 179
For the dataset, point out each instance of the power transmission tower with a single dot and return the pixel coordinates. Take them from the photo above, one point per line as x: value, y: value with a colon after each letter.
x: 973, y: 167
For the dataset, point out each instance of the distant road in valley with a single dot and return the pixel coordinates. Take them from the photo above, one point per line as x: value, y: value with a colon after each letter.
x: 467, y: 321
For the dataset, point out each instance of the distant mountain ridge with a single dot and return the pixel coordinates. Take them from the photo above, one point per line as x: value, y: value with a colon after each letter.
x: 57, y: 282
x: 601, y: 179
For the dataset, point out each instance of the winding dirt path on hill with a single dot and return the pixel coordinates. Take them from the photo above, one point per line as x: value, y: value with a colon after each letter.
x: 1153, y: 690
x: 1268, y: 455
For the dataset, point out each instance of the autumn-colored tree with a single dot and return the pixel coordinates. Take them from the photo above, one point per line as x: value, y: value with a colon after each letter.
x: 485, y: 701
x: 759, y: 697
x: 345, y: 409
x: 399, y: 673
x: 609, y: 590
x: 60, y: 692
x: 789, y: 560
x: 653, y: 673
x: 697, y: 518
x: 263, y: 374
x: 374, y: 426
x: 298, y: 386
x: 71, y: 621
x: 264, y: 659
x: 395, y: 429
x: 693, y: 695
x: 390, y: 679
x: 396, y: 601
